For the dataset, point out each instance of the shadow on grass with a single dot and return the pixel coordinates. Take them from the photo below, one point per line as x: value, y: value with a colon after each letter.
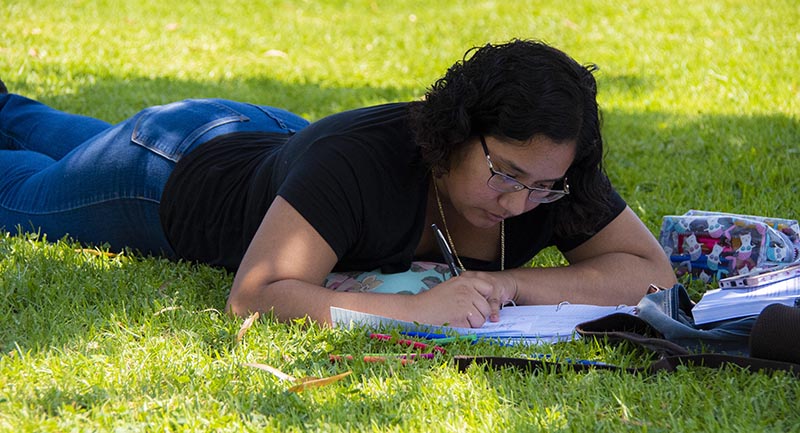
x: 115, y: 98
x: 665, y: 163
x: 56, y: 294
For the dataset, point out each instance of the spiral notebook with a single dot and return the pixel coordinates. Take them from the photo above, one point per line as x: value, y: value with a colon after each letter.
x: 533, y: 324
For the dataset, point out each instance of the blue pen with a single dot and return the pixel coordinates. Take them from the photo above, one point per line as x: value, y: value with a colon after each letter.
x: 446, y: 253
x: 427, y: 335
x: 441, y: 338
x: 468, y: 337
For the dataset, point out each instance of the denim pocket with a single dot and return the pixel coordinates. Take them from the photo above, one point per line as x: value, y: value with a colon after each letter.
x: 170, y: 130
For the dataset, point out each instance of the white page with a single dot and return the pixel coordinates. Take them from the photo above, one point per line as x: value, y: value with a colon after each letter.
x: 548, y: 323
x: 722, y: 304
x: 545, y: 320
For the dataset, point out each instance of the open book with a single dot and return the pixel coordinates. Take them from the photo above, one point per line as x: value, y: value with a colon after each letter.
x: 731, y: 303
x: 531, y: 324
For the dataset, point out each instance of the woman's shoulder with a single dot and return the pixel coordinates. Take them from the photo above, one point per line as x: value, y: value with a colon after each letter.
x: 378, y: 133
x: 386, y: 118
x: 388, y: 110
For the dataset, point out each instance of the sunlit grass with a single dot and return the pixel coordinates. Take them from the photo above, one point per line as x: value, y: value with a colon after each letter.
x: 701, y: 111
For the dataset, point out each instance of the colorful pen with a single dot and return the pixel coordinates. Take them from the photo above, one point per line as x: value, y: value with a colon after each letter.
x: 427, y: 335
x: 441, y: 338
x: 468, y: 337
x: 383, y: 357
x: 412, y: 343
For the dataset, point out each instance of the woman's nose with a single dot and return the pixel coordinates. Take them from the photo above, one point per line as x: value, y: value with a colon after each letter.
x: 516, y: 203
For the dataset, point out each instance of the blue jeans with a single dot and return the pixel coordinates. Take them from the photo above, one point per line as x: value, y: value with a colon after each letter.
x: 67, y: 175
x: 669, y: 311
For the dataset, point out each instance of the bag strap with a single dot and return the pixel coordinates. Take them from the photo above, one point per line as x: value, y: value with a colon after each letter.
x: 668, y: 364
x: 714, y: 360
x: 531, y: 365
x: 619, y: 326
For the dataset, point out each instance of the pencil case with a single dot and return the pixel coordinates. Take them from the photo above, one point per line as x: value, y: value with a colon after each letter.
x: 715, y: 245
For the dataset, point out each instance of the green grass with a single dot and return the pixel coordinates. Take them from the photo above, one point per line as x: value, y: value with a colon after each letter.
x: 701, y: 111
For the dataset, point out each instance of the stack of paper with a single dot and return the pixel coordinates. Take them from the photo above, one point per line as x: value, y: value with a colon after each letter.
x: 530, y: 324
x: 731, y: 303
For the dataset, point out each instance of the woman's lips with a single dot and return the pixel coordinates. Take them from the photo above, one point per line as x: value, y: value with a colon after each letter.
x: 494, y: 217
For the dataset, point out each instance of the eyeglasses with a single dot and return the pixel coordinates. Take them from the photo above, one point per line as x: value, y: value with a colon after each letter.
x: 502, y: 182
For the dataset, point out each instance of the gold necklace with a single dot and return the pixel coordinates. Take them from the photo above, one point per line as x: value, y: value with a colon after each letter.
x: 450, y: 239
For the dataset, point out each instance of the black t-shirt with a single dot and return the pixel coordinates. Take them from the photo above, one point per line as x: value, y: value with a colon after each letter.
x: 357, y: 177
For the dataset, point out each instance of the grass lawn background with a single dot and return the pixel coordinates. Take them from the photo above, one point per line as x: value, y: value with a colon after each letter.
x: 701, y: 109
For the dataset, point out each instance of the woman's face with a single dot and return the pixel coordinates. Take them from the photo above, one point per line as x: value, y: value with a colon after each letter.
x: 539, y: 162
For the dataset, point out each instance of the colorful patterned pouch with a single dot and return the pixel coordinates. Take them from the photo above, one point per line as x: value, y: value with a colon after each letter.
x: 715, y: 245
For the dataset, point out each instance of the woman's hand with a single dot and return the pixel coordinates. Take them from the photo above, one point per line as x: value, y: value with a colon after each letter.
x: 465, y: 301
x: 502, y: 289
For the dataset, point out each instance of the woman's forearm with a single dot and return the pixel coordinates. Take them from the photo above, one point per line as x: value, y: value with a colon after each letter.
x: 608, y: 279
x: 461, y: 302
x: 290, y: 299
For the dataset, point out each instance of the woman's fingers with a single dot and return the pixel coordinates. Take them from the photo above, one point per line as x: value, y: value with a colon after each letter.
x: 492, y: 290
x: 482, y: 313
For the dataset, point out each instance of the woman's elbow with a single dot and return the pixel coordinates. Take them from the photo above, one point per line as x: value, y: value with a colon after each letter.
x: 242, y: 302
x: 236, y: 306
x: 663, y: 274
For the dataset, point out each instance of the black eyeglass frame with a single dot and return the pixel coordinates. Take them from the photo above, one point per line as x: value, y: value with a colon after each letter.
x: 515, y: 185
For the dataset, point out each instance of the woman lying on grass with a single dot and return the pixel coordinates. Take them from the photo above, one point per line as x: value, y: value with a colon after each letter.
x: 504, y: 154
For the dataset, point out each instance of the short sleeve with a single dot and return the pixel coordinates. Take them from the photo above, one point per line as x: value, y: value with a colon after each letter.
x: 324, y: 188
x: 366, y: 200
x: 358, y: 178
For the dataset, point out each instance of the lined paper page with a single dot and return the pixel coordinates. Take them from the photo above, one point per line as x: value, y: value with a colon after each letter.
x: 547, y: 323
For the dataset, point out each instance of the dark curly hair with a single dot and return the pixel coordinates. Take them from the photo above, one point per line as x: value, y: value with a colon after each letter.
x: 518, y: 90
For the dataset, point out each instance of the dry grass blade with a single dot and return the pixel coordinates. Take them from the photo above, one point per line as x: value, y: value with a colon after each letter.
x: 95, y: 252
x: 167, y: 309
x: 302, y: 383
x: 279, y: 374
x: 313, y: 382
x: 246, y: 325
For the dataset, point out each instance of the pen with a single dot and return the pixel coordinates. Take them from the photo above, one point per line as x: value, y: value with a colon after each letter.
x: 380, y: 357
x: 468, y: 337
x: 441, y: 338
x: 446, y: 253
x: 412, y: 343
x: 428, y: 335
